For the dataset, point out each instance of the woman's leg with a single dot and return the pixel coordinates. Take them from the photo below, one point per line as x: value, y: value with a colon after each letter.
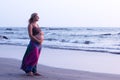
x: 34, y: 70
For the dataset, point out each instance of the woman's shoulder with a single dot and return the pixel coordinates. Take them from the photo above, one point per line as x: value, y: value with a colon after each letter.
x: 30, y: 25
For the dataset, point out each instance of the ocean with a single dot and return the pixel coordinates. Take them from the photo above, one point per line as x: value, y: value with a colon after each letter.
x: 96, y: 39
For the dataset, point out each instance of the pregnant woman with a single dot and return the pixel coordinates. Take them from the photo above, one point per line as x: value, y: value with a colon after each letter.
x: 31, y: 56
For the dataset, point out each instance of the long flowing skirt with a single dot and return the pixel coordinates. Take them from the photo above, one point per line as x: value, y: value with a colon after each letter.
x: 30, y: 59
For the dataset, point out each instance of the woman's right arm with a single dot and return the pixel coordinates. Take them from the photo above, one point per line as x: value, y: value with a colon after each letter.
x: 32, y: 37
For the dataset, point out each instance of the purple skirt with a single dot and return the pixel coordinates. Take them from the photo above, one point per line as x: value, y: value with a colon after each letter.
x: 30, y: 59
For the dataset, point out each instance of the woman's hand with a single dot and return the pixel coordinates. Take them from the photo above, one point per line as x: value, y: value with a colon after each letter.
x: 40, y: 41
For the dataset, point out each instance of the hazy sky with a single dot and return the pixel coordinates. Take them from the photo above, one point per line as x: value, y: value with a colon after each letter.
x: 85, y: 13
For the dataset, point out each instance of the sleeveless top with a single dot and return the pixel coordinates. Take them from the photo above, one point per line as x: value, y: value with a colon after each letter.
x: 35, y: 31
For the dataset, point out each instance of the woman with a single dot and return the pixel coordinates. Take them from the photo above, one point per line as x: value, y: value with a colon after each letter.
x: 30, y: 59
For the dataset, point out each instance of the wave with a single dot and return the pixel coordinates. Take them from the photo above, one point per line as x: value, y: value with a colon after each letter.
x: 48, y: 28
x: 91, y: 49
x: 82, y: 38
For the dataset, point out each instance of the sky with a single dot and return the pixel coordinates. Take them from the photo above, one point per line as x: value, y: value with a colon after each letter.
x: 61, y: 13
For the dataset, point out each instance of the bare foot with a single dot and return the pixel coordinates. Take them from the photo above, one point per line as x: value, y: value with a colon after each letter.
x: 37, y: 74
x: 30, y: 74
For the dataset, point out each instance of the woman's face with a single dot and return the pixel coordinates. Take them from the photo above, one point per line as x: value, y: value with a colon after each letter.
x: 36, y: 18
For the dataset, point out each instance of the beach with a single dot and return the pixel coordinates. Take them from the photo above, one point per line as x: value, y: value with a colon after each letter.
x: 56, y: 64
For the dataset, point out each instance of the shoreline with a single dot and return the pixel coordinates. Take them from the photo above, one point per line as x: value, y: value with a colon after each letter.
x: 69, y: 59
x: 10, y: 70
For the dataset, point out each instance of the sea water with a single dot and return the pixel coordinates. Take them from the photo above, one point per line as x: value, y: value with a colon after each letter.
x: 97, y: 39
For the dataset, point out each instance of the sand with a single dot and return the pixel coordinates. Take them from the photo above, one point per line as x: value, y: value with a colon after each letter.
x: 11, y: 56
x: 10, y: 70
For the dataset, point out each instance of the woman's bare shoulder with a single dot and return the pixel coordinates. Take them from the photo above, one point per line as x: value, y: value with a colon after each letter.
x: 30, y: 25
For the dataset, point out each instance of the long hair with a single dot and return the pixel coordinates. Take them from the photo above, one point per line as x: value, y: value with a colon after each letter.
x: 32, y: 17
